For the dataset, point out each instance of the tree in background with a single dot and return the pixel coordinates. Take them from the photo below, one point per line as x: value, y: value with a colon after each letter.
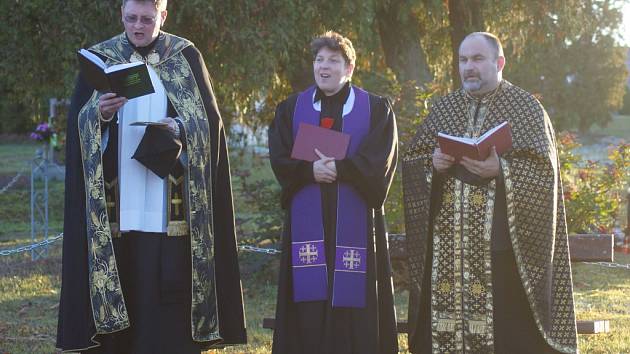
x: 39, y: 40
x: 625, y: 108
x: 256, y: 50
x: 567, y: 55
x: 257, y: 54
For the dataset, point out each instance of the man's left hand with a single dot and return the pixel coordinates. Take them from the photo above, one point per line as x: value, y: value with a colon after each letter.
x: 489, y: 168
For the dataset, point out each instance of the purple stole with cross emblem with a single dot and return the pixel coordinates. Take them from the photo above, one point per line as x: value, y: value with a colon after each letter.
x: 308, y: 252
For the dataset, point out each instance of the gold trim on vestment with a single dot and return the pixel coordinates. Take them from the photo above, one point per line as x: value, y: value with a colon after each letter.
x: 535, y: 217
x: 108, y: 306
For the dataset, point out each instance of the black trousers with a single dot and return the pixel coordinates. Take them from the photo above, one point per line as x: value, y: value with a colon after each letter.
x: 155, y: 274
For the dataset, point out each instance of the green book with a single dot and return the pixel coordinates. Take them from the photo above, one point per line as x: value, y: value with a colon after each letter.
x: 128, y: 80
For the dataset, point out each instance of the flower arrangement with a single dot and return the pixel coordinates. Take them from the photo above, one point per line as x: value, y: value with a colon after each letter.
x: 44, y: 133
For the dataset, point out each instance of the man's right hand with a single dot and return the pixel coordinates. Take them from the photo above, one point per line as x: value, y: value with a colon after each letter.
x: 109, y: 104
x: 323, y: 170
x: 442, y: 162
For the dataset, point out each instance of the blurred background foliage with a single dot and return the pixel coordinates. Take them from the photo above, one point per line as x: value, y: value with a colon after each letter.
x: 257, y: 50
x: 566, y: 52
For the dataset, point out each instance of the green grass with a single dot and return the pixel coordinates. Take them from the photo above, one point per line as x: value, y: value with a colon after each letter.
x: 15, y: 157
x: 29, y: 291
x: 15, y: 209
x: 602, y: 294
x: 619, y: 127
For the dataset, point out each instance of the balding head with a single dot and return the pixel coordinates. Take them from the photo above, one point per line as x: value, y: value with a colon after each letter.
x: 492, y: 40
x: 481, y: 63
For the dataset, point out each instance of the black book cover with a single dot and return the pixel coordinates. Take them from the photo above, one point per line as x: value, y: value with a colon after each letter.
x: 128, y: 80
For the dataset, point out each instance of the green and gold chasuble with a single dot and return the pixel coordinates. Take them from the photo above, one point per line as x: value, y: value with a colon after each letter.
x: 108, y: 305
x: 461, y: 224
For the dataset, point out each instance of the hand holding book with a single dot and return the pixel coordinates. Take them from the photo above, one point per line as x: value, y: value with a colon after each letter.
x: 109, y: 104
x: 488, y: 168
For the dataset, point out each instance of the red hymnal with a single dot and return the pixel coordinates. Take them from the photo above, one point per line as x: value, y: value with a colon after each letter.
x: 477, y: 148
x: 329, y: 142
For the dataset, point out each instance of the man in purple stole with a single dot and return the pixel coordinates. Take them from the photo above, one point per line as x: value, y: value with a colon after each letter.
x: 335, y: 289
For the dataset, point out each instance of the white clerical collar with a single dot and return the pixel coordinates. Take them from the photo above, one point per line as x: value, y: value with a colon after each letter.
x: 347, y: 107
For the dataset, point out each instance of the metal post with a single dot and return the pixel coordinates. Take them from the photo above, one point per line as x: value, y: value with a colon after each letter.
x: 39, y: 201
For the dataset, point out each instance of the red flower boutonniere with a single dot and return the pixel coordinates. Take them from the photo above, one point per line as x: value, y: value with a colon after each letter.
x: 326, y: 122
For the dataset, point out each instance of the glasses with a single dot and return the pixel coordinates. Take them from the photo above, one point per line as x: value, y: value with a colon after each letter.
x: 131, y: 19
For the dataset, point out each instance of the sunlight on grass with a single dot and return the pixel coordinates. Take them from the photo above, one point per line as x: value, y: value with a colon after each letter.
x: 29, y: 291
x: 15, y: 288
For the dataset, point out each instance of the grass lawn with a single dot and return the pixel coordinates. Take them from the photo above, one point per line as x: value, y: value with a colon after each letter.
x: 29, y: 291
x: 619, y: 127
x: 14, y: 157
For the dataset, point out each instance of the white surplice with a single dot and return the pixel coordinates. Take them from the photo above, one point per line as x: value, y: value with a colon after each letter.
x: 142, y: 192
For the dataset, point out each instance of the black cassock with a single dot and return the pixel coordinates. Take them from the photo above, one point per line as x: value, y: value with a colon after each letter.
x: 155, y: 270
x: 317, y: 327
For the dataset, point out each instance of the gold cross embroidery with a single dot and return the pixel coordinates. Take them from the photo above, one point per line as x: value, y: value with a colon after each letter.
x: 476, y: 200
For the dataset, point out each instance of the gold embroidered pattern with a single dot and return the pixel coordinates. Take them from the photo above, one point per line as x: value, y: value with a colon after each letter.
x: 182, y: 89
x: 183, y: 92
x: 477, y: 200
x: 108, y: 305
x: 539, y: 239
x: 444, y: 288
x: 476, y: 289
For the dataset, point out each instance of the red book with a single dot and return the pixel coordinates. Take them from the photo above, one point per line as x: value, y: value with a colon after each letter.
x: 477, y: 148
x: 329, y: 142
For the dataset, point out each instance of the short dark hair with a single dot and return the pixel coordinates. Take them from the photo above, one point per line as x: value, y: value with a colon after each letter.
x: 159, y: 4
x: 334, y: 41
x: 494, y: 41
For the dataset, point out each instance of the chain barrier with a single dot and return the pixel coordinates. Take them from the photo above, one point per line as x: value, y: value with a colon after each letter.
x: 259, y: 250
x: 12, y: 181
x: 27, y: 248
x: 610, y: 265
x: 247, y: 248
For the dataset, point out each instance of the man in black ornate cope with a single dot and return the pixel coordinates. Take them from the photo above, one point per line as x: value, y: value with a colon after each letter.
x: 488, y: 245
x: 335, y: 290
x: 149, y: 263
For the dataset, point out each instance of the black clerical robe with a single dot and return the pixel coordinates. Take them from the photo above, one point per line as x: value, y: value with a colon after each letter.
x: 488, y: 258
x: 316, y: 327
x: 145, y: 292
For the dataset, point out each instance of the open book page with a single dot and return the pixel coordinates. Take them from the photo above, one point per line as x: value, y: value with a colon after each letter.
x: 490, y: 132
x: 93, y: 58
x: 461, y: 139
x: 119, y: 67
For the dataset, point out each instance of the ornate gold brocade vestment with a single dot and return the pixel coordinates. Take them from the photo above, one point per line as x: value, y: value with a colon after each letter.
x: 108, y: 305
x: 454, y: 221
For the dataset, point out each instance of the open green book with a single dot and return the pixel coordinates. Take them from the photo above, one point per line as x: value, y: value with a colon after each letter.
x: 128, y: 80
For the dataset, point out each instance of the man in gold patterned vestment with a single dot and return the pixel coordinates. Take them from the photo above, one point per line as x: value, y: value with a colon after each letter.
x: 488, y: 245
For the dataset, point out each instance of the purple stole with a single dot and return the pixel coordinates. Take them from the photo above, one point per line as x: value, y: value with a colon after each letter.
x: 308, y: 253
